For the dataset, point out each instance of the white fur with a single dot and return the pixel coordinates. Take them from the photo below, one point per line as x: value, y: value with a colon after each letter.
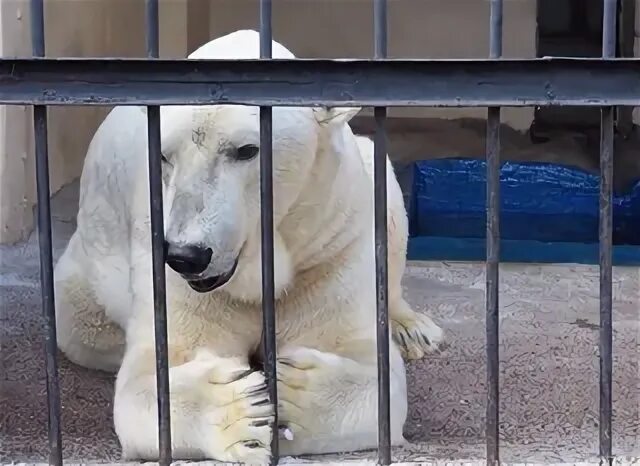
x: 324, y: 279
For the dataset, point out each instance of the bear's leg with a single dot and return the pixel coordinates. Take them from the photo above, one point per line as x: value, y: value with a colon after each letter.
x: 330, y: 402
x: 416, y: 334
x: 85, y: 334
x: 220, y: 409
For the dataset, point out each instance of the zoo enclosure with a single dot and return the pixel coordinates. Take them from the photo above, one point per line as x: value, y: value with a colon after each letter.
x: 601, y: 83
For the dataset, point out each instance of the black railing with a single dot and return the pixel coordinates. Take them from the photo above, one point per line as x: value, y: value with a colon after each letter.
x: 591, y: 82
x: 609, y: 34
x: 266, y: 225
x: 157, y: 249
x: 379, y: 83
x: 46, y: 247
x: 492, y: 320
x: 380, y: 239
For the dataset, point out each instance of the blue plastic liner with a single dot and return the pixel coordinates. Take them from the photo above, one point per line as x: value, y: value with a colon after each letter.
x: 540, y: 202
x: 437, y: 248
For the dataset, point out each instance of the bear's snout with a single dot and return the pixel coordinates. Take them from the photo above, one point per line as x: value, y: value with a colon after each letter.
x: 187, y: 259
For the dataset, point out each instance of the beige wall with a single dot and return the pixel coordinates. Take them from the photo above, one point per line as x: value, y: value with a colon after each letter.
x: 97, y: 28
x: 16, y: 156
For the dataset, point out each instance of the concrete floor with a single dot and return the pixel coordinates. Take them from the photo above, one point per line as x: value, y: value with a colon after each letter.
x: 549, y: 365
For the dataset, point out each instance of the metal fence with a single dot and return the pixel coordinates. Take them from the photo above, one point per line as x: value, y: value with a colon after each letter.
x: 378, y: 83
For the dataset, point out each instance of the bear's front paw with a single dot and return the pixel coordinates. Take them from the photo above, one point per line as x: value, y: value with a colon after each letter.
x: 302, y: 378
x: 242, y: 415
x: 417, y: 336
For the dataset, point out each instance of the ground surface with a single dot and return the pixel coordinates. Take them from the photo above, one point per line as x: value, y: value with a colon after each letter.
x: 549, y: 364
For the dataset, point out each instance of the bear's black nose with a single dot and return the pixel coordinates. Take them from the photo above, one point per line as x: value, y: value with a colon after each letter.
x: 187, y: 259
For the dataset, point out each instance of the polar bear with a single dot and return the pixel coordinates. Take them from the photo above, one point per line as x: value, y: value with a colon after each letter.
x: 324, y: 278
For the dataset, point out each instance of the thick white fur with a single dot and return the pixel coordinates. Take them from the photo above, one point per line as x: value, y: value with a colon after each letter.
x: 324, y: 280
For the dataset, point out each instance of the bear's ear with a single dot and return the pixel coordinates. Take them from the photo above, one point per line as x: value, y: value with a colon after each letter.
x: 326, y: 116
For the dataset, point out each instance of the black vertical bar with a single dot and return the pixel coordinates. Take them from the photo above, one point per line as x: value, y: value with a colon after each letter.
x: 153, y: 29
x: 380, y: 229
x: 626, y: 38
x: 45, y: 245
x: 380, y: 29
x: 157, y: 245
x: 37, y: 28
x: 266, y: 218
x: 609, y: 35
x: 493, y: 250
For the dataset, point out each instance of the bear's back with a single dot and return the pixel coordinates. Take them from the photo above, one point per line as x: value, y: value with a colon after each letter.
x: 243, y: 44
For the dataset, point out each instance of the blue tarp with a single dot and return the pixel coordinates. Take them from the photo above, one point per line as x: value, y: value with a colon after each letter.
x: 539, y: 202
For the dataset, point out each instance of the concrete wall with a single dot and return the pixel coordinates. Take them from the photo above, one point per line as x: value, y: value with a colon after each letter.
x: 17, y: 166
x: 98, y: 28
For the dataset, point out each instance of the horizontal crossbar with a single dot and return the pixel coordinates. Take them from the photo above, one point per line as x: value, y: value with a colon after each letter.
x: 433, y: 83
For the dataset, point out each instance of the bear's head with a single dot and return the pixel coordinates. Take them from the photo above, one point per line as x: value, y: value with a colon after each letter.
x: 211, y: 174
x: 211, y: 171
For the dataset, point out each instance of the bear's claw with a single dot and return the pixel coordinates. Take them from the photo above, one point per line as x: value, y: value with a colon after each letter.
x: 244, y: 412
x: 417, y: 336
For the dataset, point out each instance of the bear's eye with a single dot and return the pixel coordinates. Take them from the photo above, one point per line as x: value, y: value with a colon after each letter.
x: 163, y: 158
x: 247, y: 152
